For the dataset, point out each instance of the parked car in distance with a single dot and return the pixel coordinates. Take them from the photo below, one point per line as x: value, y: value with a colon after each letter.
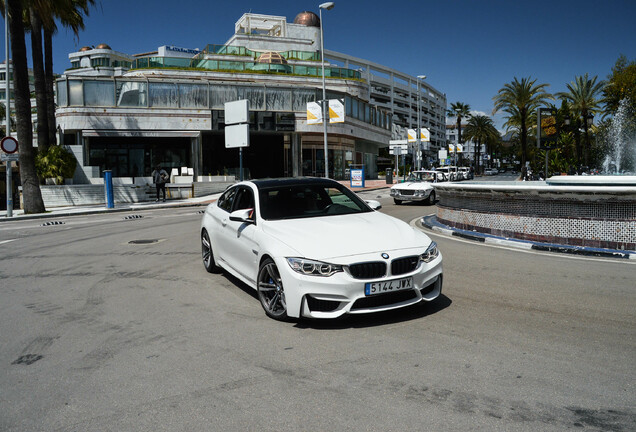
x: 491, y: 171
x: 417, y: 187
x: 451, y: 172
x: 465, y: 173
x: 310, y: 247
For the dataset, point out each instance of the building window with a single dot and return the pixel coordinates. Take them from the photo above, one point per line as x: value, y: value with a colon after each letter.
x: 100, y: 61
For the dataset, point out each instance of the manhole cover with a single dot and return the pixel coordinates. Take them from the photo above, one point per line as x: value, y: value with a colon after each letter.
x: 147, y: 241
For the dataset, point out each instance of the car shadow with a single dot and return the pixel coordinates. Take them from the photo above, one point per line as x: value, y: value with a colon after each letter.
x: 414, y: 312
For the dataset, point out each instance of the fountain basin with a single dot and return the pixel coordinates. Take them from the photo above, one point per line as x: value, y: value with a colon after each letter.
x: 578, y: 212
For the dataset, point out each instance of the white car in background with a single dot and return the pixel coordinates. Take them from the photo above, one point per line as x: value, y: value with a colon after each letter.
x: 417, y: 187
x: 465, y: 173
x: 451, y: 172
x: 310, y: 247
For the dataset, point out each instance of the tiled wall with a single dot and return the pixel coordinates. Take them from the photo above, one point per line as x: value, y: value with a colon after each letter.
x: 600, y: 221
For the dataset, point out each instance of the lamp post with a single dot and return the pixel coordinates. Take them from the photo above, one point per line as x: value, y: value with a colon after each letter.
x: 325, y: 105
x: 459, y: 135
x: 419, y: 126
x: 588, y: 120
x: 7, y: 127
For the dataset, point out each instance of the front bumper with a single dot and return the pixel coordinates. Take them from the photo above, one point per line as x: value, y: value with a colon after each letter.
x: 340, y: 294
x: 397, y: 194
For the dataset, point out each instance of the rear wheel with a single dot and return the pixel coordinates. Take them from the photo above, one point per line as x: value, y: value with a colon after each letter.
x: 207, y: 254
x: 270, y: 291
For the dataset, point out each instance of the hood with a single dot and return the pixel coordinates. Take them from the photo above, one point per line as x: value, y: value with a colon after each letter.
x: 331, y: 237
x: 414, y: 185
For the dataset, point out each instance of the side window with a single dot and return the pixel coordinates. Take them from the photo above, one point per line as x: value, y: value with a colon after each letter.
x: 227, y: 199
x: 244, y: 199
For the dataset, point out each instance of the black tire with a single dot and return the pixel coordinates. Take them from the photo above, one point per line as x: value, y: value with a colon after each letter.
x: 207, y: 254
x: 431, y: 198
x: 270, y: 291
x: 397, y: 201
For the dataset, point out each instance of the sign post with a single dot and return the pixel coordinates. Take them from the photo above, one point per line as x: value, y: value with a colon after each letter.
x: 9, y: 146
x: 237, y: 128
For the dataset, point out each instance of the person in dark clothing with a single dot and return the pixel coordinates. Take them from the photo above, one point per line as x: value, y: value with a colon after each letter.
x: 159, y: 178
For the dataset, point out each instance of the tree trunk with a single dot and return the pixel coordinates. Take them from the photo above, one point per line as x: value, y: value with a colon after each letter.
x: 31, y: 194
x: 39, y: 80
x: 50, y: 83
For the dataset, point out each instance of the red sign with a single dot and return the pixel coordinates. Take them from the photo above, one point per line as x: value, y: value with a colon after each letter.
x: 9, y: 145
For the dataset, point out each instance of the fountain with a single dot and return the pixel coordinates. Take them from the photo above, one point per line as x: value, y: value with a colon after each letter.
x: 585, y: 211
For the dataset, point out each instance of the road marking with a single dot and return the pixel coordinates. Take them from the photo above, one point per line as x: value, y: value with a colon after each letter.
x: 7, y: 241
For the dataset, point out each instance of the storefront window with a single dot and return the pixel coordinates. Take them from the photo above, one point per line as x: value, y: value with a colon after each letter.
x: 99, y: 93
x: 75, y: 92
x: 132, y: 93
x: 62, y: 95
x: 163, y: 95
x: 193, y: 95
x: 219, y: 94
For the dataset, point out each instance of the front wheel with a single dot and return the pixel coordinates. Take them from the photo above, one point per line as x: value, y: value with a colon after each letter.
x: 397, y: 201
x: 207, y: 254
x: 270, y: 291
x: 431, y: 198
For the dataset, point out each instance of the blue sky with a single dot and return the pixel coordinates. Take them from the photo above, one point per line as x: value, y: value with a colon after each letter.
x: 467, y: 48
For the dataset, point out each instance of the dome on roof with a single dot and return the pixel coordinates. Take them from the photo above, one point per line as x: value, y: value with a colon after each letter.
x: 307, y: 18
x: 271, y: 58
x: 103, y: 46
x: 86, y: 48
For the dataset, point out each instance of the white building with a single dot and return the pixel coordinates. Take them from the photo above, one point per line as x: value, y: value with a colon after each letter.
x: 167, y: 106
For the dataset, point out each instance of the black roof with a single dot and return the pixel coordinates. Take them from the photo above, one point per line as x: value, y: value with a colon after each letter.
x: 294, y: 181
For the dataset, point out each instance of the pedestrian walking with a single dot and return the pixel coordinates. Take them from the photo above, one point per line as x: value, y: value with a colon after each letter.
x: 159, y: 178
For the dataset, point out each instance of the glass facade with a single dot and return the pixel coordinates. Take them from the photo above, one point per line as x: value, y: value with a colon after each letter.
x: 116, y: 92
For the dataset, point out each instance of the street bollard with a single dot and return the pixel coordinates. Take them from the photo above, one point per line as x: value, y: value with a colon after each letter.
x: 108, y: 189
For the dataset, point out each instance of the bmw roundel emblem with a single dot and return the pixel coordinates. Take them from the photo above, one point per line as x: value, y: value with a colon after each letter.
x: 385, y: 255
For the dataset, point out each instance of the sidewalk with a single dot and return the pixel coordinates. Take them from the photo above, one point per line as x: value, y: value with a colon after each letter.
x: 18, y: 214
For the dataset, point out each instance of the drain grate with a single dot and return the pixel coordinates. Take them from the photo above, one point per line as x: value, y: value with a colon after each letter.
x: 28, y: 359
x: 134, y: 216
x: 49, y: 223
x: 201, y: 212
x: 143, y: 241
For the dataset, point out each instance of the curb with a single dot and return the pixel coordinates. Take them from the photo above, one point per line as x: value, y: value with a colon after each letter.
x: 431, y: 223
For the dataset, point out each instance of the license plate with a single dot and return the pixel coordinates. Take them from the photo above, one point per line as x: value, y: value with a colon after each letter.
x: 373, y: 288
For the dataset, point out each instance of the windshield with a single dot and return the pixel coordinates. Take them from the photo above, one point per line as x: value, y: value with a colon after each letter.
x: 303, y: 201
x: 422, y: 176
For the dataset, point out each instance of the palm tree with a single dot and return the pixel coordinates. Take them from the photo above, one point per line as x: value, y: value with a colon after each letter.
x: 71, y: 14
x: 520, y: 99
x: 583, y: 96
x: 42, y: 15
x: 482, y: 130
x: 459, y: 110
x: 31, y: 194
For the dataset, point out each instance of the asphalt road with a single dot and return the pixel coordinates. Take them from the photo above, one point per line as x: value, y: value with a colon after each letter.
x: 98, y: 334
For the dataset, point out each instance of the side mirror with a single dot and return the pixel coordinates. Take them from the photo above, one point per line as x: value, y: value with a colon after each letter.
x: 375, y: 205
x: 244, y: 215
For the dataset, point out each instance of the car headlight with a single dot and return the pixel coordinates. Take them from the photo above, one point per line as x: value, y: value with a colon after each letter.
x: 313, y: 268
x: 393, y: 192
x: 431, y: 253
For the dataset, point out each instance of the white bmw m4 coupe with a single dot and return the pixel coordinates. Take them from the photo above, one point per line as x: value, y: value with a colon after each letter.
x: 310, y: 247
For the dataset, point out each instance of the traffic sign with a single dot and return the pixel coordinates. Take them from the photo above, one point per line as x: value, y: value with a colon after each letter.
x: 9, y: 144
x: 11, y: 157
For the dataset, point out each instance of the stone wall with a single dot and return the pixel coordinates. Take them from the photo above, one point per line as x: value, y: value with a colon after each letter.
x: 602, y: 217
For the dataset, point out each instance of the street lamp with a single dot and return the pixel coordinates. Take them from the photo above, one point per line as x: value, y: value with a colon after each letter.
x: 588, y: 120
x: 459, y: 135
x: 325, y: 105
x: 419, y: 126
